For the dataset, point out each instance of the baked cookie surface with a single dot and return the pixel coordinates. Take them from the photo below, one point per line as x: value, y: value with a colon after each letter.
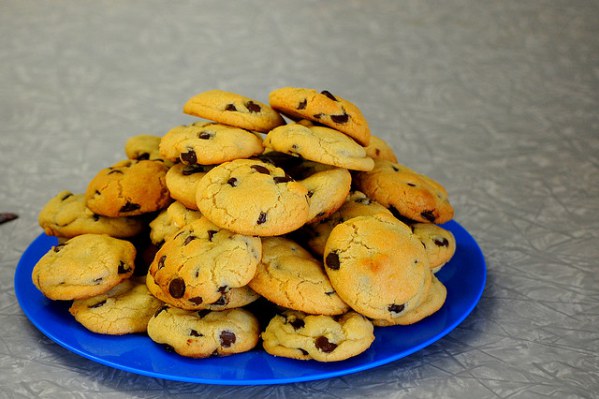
x: 291, y: 277
x: 124, y: 309
x: 233, y: 109
x: 327, y: 190
x: 320, y: 144
x: 297, y: 335
x: 209, y: 143
x: 251, y: 197
x: 411, y: 195
x: 128, y: 188
x: 181, y: 181
x: 201, y: 262
x: 201, y: 334
x: 170, y: 220
x: 84, y: 266
x: 322, y: 107
x: 66, y: 215
x: 143, y: 147
x: 376, y: 265
x: 439, y: 243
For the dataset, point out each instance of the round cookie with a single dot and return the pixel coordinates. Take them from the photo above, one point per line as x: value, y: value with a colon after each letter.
x: 233, y: 109
x: 202, y: 262
x: 170, y: 220
x: 125, y: 309
x: 181, y: 181
x: 291, y: 277
x: 376, y: 265
x: 379, y: 149
x: 327, y: 190
x: 84, y: 266
x: 209, y: 143
x: 252, y: 197
x: 128, y: 188
x: 66, y: 215
x: 320, y: 144
x: 439, y: 243
x: 297, y: 335
x: 411, y: 195
x: 205, y: 333
x: 356, y: 204
x: 433, y: 301
x: 322, y: 107
x: 229, y: 299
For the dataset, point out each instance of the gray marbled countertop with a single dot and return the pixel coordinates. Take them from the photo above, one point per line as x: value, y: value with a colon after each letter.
x: 499, y: 101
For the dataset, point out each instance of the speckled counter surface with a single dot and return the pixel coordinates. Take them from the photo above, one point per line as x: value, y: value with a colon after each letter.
x: 499, y: 101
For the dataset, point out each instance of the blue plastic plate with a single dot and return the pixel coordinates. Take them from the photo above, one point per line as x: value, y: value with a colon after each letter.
x: 464, y: 278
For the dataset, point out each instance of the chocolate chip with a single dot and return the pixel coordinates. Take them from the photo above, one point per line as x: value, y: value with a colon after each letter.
x: 67, y: 195
x: 205, y: 135
x: 129, y: 207
x: 211, y: 234
x: 58, y: 247
x: 395, y: 168
x: 297, y: 324
x: 252, y: 106
x: 261, y: 169
x: 302, y: 104
x: 332, y: 260
x: 162, y: 309
x: 189, y: 156
x: 394, y: 308
x: 227, y: 338
x: 230, y: 107
x: 323, y: 344
x: 411, y: 184
x: 97, y: 305
x: 189, y: 239
x: 123, y: 268
x: 97, y: 192
x: 196, y: 300
x: 304, y: 352
x: 261, y: 218
x: 115, y: 171
x: 377, y: 151
x: 191, y: 169
x: 176, y: 287
x: 328, y: 94
x: 221, y: 301
x: 317, y: 116
x: 98, y: 280
x: 232, y: 182
x: 441, y: 242
x: 340, y: 118
x: 428, y: 215
x: 310, y: 193
x: 161, y: 262
x: 194, y: 333
x: 282, y: 179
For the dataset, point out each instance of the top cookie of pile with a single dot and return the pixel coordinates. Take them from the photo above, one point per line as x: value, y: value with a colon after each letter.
x: 234, y: 110
x: 321, y: 107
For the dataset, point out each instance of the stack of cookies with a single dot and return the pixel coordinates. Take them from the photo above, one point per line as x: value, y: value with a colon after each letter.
x: 286, y: 226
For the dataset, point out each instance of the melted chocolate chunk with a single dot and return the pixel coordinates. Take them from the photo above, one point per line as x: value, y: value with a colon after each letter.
x: 129, y: 207
x: 232, y: 182
x: 302, y: 104
x: 97, y: 305
x: 411, y: 184
x: 340, y: 118
x: 261, y: 218
x: 176, y: 287
x: 123, y: 268
x: 395, y: 168
x: 227, y: 338
x: 253, y: 107
x: 261, y: 169
x: 230, y: 107
x: 317, y: 116
x: 211, y: 234
x: 332, y: 260
x: 282, y: 179
x: 394, y: 308
x: 205, y: 135
x: 297, y: 324
x: 304, y: 352
x: 196, y: 300
x: 194, y: 333
x: 189, y: 239
x: 441, y: 242
x: 67, y: 195
x: 324, y: 345
x: 161, y: 262
x: 428, y: 215
x: 189, y: 156
x: 328, y: 94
